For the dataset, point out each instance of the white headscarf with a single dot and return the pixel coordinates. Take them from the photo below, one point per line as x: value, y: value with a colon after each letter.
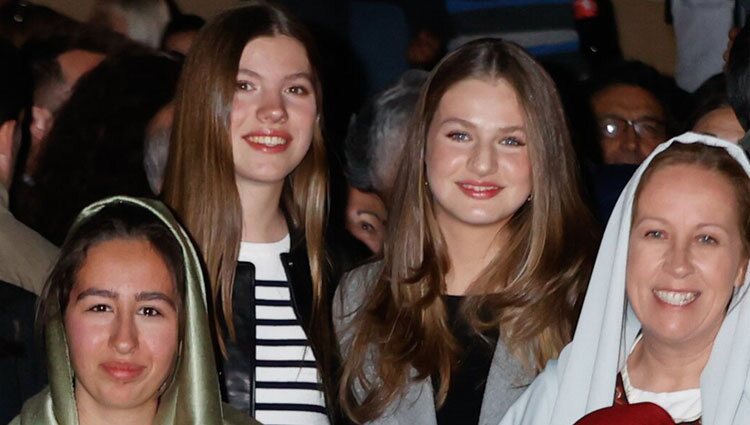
x: 583, y: 379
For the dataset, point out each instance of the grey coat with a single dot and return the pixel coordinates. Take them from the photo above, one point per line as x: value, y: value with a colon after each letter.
x: 505, y: 383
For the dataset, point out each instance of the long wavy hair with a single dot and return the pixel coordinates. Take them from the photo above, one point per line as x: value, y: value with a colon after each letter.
x: 200, y: 180
x: 530, y: 292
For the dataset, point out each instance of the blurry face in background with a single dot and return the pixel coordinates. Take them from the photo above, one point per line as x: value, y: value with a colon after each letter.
x: 180, y: 42
x: 121, y: 323
x: 274, y: 110
x: 721, y: 123
x: 685, y: 256
x: 366, y: 218
x: 477, y: 159
x: 73, y: 65
x: 631, y: 123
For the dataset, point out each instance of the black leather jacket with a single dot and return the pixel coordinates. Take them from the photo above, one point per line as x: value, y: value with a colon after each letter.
x: 237, y: 370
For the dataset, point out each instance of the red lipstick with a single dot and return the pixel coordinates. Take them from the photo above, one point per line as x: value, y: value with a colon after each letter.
x: 479, y: 190
x: 268, y: 141
x: 123, y: 371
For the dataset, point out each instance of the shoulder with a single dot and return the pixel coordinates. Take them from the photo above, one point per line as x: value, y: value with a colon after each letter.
x: 536, y: 404
x: 352, y: 293
x: 37, y: 409
x: 354, y: 287
x: 232, y: 416
x: 26, y: 257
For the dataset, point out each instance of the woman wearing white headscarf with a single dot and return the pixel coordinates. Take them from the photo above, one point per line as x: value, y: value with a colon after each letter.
x: 675, y: 313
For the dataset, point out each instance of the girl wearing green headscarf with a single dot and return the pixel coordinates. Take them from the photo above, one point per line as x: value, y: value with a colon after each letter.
x: 124, y: 316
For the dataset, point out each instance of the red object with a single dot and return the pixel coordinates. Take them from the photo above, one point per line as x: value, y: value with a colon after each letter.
x: 584, y: 9
x: 630, y: 414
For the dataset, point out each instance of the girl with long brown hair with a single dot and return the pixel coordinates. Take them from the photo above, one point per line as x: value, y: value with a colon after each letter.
x: 489, y: 251
x: 247, y: 176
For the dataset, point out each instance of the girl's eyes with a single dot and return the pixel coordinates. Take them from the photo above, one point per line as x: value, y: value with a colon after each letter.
x: 459, y: 136
x: 654, y: 234
x: 511, y: 141
x: 298, y: 90
x: 100, y: 308
x: 143, y: 311
x: 149, y: 311
x: 244, y: 85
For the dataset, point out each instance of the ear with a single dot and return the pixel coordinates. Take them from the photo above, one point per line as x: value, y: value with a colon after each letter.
x: 41, y: 121
x: 7, y: 150
x: 7, y: 131
x: 740, y: 279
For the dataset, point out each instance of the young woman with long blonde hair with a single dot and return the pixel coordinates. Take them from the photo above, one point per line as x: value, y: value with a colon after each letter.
x: 489, y: 250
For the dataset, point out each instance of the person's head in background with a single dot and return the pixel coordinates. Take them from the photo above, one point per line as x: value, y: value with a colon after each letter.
x: 373, y: 150
x: 142, y: 21
x: 630, y: 102
x: 14, y: 94
x: 180, y: 32
x: 711, y: 113
x: 96, y: 147
x: 737, y: 72
x: 57, y: 63
x: 21, y: 21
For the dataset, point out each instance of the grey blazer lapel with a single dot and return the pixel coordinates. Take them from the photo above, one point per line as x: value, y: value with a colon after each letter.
x: 416, y: 407
x: 506, y: 381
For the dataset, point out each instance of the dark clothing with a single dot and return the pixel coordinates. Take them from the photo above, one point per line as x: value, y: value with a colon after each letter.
x: 464, y: 400
x: 237, y: 370
x: 22, y: 361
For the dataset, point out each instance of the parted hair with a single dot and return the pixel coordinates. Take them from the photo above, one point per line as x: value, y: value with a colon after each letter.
x: 530, y: 292
x: 200, y: 183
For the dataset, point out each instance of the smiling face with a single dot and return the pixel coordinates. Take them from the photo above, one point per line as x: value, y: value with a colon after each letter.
x: 273, y: 111
x: 685, y: 254
x: 121, y: 322
x: 477, y: 158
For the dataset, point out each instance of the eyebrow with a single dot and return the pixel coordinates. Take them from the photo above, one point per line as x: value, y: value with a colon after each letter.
x: 141, y: 296
x: 96, y: 292
x: 372, y: 213
x: 294, y: 76
x: 470, y: 124
x: 155, y: 296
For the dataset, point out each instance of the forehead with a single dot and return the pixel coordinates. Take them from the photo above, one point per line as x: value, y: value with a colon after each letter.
x: 482, y: 100
x: 275, y: 54
x: 126, y: 266
x: 629, y: 101
x: 687, y: 192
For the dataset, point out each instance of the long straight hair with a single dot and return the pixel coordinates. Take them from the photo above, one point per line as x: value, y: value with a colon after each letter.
x: 530, y: 292
x: 200, y: 182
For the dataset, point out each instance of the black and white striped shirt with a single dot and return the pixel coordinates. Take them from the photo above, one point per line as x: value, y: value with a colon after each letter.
x: 288, y: 387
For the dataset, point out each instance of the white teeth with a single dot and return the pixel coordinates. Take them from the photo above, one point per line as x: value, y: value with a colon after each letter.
x: 677, y: 298
x: 267, y: 140
x: 480, y: 188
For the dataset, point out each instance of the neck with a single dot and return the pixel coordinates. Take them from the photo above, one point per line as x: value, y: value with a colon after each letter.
x: 91, y: 412
x: 658, y: 367
x: 262, y: 219
x: 470, y: 251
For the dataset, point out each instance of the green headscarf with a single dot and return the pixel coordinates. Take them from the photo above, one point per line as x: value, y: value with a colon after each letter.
x: 193, y: 394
